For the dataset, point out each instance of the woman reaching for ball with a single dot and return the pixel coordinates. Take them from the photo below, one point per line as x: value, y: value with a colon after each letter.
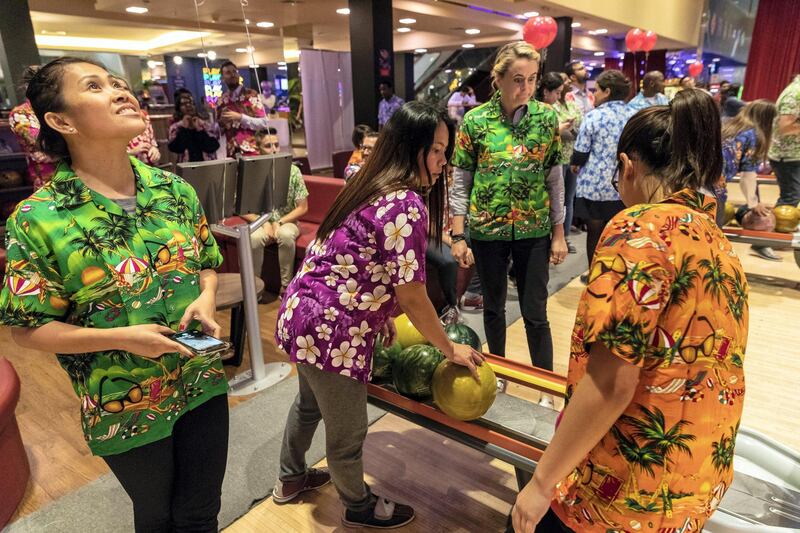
x: 369, y: 255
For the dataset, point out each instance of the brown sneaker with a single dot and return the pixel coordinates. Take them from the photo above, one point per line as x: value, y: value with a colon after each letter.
x: 286, y: 491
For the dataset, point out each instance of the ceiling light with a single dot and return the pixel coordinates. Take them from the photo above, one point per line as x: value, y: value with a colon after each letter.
x: 343, y: 11
x: 169, y: 38
x: 601, y: 31
x: 467, y: 45
x: 529, y: 14
x: 247, y: 21
x: 282, y: 68
x: 212, y: 55
x: 281, y: 63
x: 599, y: 53
x: 448, y: 70
x: 47, y: 32
x: 716, y: 60
x: 265, y: 24
x: 472, y: 31
x: 151, y: 64
x: 420, y: 50
x: 576, y: 24
x: 403, y: 30
x: 178, y: 60
x: 254, y: 66
x: 241, y: 50
x: 407, y: 21
x: 202, y: 54
x: 137, y: 10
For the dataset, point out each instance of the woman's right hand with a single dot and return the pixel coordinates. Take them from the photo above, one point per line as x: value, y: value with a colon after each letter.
x: 150, y: 340
x: 465, y: 355
x: 462, y: 254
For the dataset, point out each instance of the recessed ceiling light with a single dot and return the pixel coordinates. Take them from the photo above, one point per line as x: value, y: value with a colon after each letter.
x: 241, y: 50
x: 472, y: 31
x: 47, y: 32
x: 281, y: 63
x: 265, y: 24
x: 403, y: 30
x: 407, y: 21
x: 202, y: 54
x: 529, y: 14
x: 467, y: 45
x: 247, y: 21
x: 601, y: 31
x: 343, y: 11
x: 599, y: 53
x: 212, y: 55
x: 254, y: 66
x: 282, y: 68
x: 151, y: 64
x: 576, y: 24
x: 178, y: 60
x: 420, y: 50
x: 137, y: 10
x: 716, y: 60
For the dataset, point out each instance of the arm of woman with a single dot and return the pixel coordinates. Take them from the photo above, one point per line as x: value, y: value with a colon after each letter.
x: 204, y: 307
x: 555, y: 189
x: 598, y: 401
x: 748, y: 181
x: 459, y: 204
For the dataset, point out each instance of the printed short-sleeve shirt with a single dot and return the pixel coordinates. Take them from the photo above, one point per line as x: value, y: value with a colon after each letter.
x: 26, y: 127
x: 786, y: 146
x: 509, y: 198
x: 569, y: 110
x: 599, y: 136
x: 387, y: 108
x: 77, y: 257
x: 241, y: 140
x: 344, y: 291
x: 668, y: 294
x: 297, y: 193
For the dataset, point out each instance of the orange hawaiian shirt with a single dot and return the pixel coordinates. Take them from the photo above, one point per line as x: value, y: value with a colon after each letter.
x: 666, y: 293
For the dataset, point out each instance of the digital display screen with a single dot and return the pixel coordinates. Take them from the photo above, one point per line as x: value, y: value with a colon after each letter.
x: 199, y: 342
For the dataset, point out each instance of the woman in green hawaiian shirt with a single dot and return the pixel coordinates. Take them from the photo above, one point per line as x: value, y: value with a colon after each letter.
x: 503, y: 184
x: 104, y: 263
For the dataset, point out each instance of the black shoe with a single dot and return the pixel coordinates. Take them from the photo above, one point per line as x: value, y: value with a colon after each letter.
x: 571, y: 248
x: 385, y: 515
x: 585, y: 279
x: 765, y: 252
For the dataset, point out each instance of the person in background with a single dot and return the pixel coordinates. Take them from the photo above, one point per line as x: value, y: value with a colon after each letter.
x: 367, y: 145
x: 190, y: 136
x: 143, y: 147
x: 745, y: 143
x: 343, y: 297
x: 282, y: 226
x: 458, y: 103
x: 655, y: 386
x: 568, y: 109
x: 389, y: 103
x: 784, y: 152
x: 122, y: 258
x: 722, y: 93
x: 359, y: 132
x: 578, y: 76
x: 595, y: 155
x: 687, y: 82
x: 652, y: 92
x: 511, y: 140
x: 267, y: 96
x: 551, y: 91
x: 240, y: 114
x: 25, y: 125
x: 732, y: 104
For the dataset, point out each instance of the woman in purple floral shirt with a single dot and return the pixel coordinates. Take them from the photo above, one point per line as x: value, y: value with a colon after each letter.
x: 369, y: 256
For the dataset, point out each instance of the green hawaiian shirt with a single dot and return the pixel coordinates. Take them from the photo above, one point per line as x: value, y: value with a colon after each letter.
x: 566, y: 111
x: 77, y: 257
x: 786, y: 147
x: 297, y: 193
x: 509, y: 198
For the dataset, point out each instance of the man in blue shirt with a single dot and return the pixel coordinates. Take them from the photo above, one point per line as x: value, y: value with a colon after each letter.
x: 652, y: 92
x: 388, y: 104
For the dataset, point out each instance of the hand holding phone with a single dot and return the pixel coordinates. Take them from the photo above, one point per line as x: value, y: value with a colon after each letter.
x: 200, y: 343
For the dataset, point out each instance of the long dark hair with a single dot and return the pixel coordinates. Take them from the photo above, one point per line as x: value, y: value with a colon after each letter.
x: 757, y: 115
x: 680, y: 142
x: 550, y: 81
x: 392, y: 165
x: 45, y: 95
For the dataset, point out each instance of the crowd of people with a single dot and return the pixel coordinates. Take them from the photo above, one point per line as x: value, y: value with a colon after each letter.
x: 123, y: 257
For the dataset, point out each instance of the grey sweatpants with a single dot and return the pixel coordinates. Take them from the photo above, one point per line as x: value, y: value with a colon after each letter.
x: 342, y: 403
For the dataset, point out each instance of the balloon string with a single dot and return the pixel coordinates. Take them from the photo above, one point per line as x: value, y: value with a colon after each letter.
x: 250, y: 47
x: 202, y: 41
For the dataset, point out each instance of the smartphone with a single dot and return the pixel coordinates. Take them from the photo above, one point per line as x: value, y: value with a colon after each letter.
x: 200, y: 343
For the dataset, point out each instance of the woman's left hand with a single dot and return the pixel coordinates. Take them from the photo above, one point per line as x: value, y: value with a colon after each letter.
x: 531, y: 505
x: 203, y: 310
x: 558, y: 250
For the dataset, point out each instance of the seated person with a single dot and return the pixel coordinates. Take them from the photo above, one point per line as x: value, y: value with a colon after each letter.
x: 366, y: 149
x: 282, y: 224
x: 358, y: 139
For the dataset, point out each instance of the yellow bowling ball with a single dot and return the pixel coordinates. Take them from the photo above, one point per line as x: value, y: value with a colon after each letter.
x: 457, y: 393
x: 786, y: 218
x: 730, y: 212
x: 407, y: 334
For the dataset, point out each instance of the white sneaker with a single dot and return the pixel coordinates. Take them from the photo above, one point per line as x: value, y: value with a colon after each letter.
x: 546, y: 401
x: 501, y: 385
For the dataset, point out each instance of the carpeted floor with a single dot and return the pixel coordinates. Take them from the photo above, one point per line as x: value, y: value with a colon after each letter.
x: 255, y: 442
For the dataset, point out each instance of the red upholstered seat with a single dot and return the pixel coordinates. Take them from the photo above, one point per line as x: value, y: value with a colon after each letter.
x: 16, y: 469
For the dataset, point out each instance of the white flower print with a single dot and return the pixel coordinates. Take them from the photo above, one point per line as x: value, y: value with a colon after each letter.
x: 343, y: 355
x: 371, y: 238
x: 359, y: 332
x: 345, y: 265
x: 324, y: 332
x: 391, y: 269
x: 371, y: 266
x: 345, y: 372
x: 396, y: 232
x: 308, y: 266
x: 348, y: 294
x: 366, y: 252
x: 408, y: 265
x: 331, y: 279
x: 380, y: 273
x: 383, y: 209
x: 361, y: 361
x: 413, y: 214
x: 331, y: 313
x: 307, y: 352
x: 372, y: 301
x: 400, y: 195
x: 291, y: 305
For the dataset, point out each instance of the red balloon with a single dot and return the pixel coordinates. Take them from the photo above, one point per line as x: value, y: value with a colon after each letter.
x: 649, y: 41
x: 634, y: 39
x: 696, y: 68
x: 540, y: 31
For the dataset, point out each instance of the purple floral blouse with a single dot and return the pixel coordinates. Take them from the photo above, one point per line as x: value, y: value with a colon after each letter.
x: 344, y: 291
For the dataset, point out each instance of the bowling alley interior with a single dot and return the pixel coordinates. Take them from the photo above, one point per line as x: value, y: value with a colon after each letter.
x: 316, y: 266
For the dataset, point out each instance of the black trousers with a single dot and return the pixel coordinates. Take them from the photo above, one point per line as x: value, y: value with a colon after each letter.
x: 176, y: 483
x: 550, y: 523
x: 531, y: 267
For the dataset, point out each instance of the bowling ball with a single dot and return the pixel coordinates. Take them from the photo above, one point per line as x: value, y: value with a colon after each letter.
x: 407, y: 334
x: 754, y: 221
x: 459, y: 395
x: 413, y: 370
x: 463, y: 334
x: 730, y: 212
x: 10, y: 178
x: 383, y: 357
x: 786, y: 218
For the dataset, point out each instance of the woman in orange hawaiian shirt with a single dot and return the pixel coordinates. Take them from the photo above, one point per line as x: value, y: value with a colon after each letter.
x: 656, y: 382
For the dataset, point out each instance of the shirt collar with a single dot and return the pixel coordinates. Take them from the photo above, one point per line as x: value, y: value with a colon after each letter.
x: 696, y: 200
